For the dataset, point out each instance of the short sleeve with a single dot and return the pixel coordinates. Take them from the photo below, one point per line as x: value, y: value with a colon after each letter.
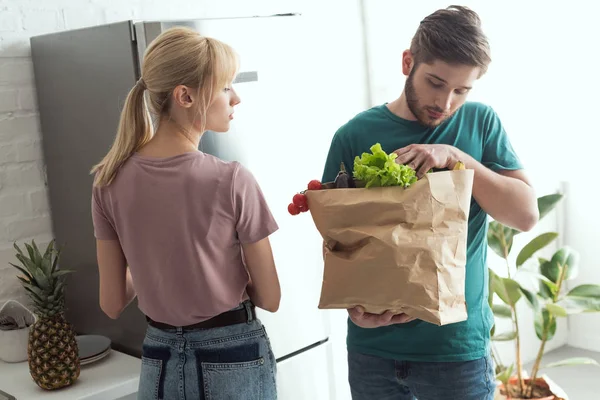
x: 103, y: 228
x: 498, y: 152
x: 339, y: 153
x: 254, y: 220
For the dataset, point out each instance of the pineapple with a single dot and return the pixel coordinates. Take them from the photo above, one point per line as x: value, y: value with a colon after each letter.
x: 53, y: 354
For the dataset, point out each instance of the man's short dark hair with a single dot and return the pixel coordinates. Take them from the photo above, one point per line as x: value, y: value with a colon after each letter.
x: 452, y: 35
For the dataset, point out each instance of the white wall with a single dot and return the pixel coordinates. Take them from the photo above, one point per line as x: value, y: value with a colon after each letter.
x: 543, y: 83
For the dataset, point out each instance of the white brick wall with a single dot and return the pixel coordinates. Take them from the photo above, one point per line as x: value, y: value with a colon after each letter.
x: 24, y: 209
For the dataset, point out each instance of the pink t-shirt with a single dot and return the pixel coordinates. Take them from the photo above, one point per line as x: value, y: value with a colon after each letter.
x: 180, y: 222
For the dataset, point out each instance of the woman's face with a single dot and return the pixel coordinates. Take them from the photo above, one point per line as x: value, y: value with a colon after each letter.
x: 220, y: 112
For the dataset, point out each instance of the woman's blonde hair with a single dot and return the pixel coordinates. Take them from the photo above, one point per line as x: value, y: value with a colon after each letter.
x: 178, y: 56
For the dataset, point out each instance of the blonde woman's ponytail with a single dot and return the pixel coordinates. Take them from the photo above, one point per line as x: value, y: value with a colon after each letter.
x: 135, y: 130
x: 178, y: 56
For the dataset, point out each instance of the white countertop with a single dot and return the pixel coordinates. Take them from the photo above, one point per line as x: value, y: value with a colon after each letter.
x: 113, y: 377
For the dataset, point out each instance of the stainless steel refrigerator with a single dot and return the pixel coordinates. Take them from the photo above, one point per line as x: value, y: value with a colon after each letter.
x: 82, y: 78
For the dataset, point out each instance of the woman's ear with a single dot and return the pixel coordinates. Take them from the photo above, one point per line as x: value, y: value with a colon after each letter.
x: 183, y: 96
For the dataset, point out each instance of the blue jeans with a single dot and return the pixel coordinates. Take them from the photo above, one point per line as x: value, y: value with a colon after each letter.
x: 231, y: 362
x: 375, y: 378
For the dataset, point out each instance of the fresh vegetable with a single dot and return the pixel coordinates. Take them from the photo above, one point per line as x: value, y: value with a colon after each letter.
x: 300, y: 200
x: 343, y: 180
x: 314, y: 185
x: 293, y: 209
x: 380, y: 169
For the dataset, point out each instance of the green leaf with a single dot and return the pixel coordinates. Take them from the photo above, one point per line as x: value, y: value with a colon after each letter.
x: 534, y: 246
x: 556, y: 310
x: 27, y: 274
x: 531, y: 299
x: 58, y: 289
x: 23, y: 280
x: 27, y: 263
x: 587, y: 290
x: 578, y: 305
x: 573, y: 361
x: 36, y: 251
x: 549, y: 284
x: 381, y: 169
x: 547, y: 203
x: 498, y: 235
x: 494, y: 242
x: 46, y: 267
x: 505, y: 374
x: 49, y: 249
x: 565, y: 257
x: 545, y: 321
x: 54, y: 263
x: 504, y: 337
x: 18, y: 249
x: 508, y: 290
x: 34, y: 296
x: 583, y: 298
x: 32, y: 255
x: 502, y: 311
x: 550, y: 270
x: 38, y: 275
x: 63, y: 272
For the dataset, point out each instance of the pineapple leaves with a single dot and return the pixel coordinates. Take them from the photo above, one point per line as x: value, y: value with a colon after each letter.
x: 54, y: 263
x: 41, y: 277
x: 18, y: 249
x: 32, y: 254
x: 49, y: 249
x: 22, y: 279
x: 58, y: 289
x: 27, y: 274
x: 36, y: 251
x: 38, y: 275
x: 62, y: 272
x: 32, y: 291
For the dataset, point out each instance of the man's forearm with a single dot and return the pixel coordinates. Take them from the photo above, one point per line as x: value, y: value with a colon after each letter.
x: 507, y: 200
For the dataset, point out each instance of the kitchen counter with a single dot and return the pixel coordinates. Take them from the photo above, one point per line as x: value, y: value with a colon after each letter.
x: 114, y: 377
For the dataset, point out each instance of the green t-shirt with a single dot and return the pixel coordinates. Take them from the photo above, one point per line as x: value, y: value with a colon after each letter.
x: 475, y: 129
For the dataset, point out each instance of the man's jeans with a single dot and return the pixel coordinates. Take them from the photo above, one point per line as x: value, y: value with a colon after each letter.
x: 374, y: 378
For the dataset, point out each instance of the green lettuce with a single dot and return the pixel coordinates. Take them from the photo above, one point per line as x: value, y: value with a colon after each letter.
x: 380, y: 169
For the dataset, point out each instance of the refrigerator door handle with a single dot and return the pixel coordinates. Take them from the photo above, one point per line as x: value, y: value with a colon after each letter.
x: 246, y: 76
x: 305, y: 349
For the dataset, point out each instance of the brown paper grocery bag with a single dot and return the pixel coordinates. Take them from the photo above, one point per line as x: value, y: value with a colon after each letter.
x: 397, y: 249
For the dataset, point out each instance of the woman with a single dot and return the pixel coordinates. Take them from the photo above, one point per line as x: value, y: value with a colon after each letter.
x: 187, y: 230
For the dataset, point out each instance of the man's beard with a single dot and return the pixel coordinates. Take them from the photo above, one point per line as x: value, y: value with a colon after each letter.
x: 417, y: 109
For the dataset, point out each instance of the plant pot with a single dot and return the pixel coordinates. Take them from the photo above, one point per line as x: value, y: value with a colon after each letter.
x: 13, y: 343
x: 541, y: 382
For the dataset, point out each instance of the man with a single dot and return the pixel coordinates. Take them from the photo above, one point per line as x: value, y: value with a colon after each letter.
x: 432, y: 126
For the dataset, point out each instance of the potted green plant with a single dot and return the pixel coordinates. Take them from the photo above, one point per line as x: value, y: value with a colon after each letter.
x: 549, y: 302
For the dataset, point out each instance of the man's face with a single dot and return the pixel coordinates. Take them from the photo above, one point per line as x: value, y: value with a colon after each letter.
x: 435, y: 91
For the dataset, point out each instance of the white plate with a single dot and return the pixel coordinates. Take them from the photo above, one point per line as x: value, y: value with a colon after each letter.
x: 90, y: 360
x: 92, y: 345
